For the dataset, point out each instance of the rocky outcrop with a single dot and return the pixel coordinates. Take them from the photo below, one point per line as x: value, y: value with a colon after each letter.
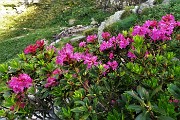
x: 69, y: 32
x: 147, y: 4
x: 112, y: 19
x: 116, y: 17
x: 166, y: 2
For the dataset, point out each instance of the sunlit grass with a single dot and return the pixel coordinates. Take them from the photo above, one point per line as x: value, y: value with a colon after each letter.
x: 43, y: 21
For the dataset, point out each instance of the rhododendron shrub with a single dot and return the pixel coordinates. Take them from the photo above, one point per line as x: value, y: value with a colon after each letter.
x: 131, y: 75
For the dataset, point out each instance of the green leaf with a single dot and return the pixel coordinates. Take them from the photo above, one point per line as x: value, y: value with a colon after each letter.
x: 143, y: 93
x: 137, y: 108
x: 158, y: 110
x: 174, y: 90
x: 3, y: 68
x: 66, y: 112
x: 159, y: 88
x: 134, y: 95
x: 85, y: 117
x: 79, y: 109
x: 80, y: 103
x: 143, y: 116
x: 165, y: 118
x: 2, y: 113
x: 106, y: 84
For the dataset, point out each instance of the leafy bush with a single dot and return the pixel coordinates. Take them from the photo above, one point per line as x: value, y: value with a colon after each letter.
x: 128, y: 76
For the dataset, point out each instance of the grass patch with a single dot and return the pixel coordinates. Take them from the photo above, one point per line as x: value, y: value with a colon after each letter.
x: 43, y: 21
x: 11, y: 47
x: 51, y: 14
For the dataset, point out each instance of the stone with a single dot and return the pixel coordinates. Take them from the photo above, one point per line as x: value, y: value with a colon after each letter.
x: 112, y: 19
x: 71, y: 21
x: 166, y: 2
x: 135, y: 9
x: 93, y: 22
x: 78, y: 38
x: 147, y: 4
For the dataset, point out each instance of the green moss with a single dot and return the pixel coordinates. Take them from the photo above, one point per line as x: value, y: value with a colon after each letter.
x: 90, y: 31
x: 126, y: 13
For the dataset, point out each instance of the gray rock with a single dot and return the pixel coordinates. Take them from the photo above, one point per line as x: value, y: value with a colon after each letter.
x: 166, y: 2
x: 147, y: 4
x: 112, y: 19
x: 93, y: 22
x: 135, y: 9
x: 77, y: 38
x: 2, y: 118
x: 71, y: 21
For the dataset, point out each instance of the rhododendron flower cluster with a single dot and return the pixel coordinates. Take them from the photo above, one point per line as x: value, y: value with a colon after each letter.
x: 31, y: 49
x: 131, y: 55
x: 90, y: 60
x: 19, y: 84
x: 52, y: 79
x: 67, y: 55
x: 105, y: 35
x: 161, y: 30
x: 91, y: 38
x: 51, y: 82
x: 82, y: 44
x: 113, y: 64
x: 113, y: 42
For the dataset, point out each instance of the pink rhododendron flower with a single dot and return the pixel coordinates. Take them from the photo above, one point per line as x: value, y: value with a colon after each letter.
x: 178, y: 23
x: 12, y: 108
x: 40, y: 43
x: 138, y: 30
x: 150, y: 24
x: 18, y: 104
x: 123, y: 43
x: 51, y: 47
x: 111, y: 55
x: 131, y: 55
x: 82, y: 44
x: 168, y: 18
x: 106, y: 35
x: 30, y: 49
x: 174, y: 101
x: 105, y: 45
x: 19, y: 84
x: 113, y: 65
x: 22, y: 105
x: 106, y: 67
x: 113, y: 41
x: 51, y: 82
x: 91, y: 38
x: 90, y: 61
x: 65, y: 55
x: 120, y: 37
x: 155, y: 34
x: 78, y: 56
x: 57, y: 71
